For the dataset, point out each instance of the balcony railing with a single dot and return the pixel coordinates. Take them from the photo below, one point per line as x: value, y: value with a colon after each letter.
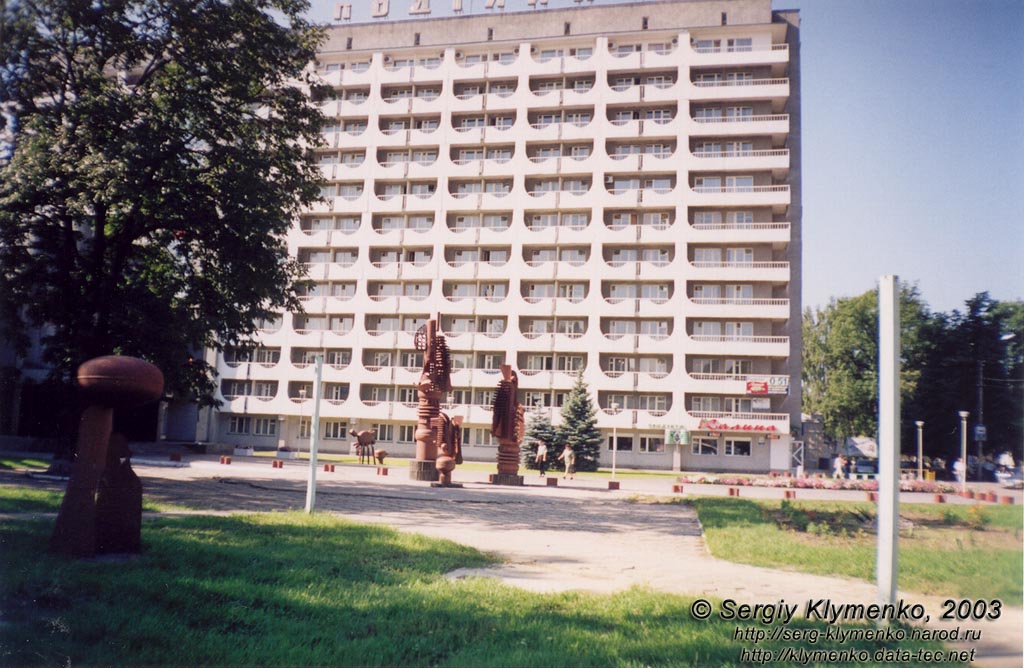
x: 741, y: 119
x: 741, y: 226
x: 741, y: 82
x: 739, y: 265
x: 738, y: 301
x: 754, y: 153
x: 717, y: 338
x: 784, y: 188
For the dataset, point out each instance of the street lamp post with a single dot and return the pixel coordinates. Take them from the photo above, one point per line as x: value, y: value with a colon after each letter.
x: 615, y: 437
x: 963, y: 450
x: 920, y: 449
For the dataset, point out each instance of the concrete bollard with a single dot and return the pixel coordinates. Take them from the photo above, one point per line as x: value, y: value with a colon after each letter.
x: 1007, y: 501
x: 225, y: 460
x: 328, y: 468
x: 734, y: 491
x: 940, y: 498
x: 613, y: 484
x: 872, y: 496
x: 175, y: 456
x: 382, y: 470
x: 677, y: 489
x: 552, y: 482
x: 789, y: 494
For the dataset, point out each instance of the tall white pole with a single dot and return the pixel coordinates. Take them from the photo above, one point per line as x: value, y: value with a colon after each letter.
x: 963, y: 451
x: 920, y: 449
x: 615, y: 438
x: 314, y: 436
x: 887, y: 556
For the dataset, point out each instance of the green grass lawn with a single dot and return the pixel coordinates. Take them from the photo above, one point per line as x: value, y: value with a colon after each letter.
x: 287, y: 589
x: 30, y: 463
x: 28, y: 500
x: 970, y: 551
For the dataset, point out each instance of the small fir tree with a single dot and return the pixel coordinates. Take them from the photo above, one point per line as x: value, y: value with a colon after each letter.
x: 579, y: 427
x: 540, y: 429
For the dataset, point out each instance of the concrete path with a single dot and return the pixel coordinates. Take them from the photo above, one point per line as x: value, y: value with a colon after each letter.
x: 575, y: 536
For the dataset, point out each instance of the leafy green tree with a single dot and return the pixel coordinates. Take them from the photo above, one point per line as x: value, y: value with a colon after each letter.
x: 840, y: 374
x: 540, y: 429
x: 981, y: 344
x: 154, y: 156
x: 579, y: 427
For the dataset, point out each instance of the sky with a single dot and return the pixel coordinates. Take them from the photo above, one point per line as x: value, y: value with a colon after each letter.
x: 913, y: 142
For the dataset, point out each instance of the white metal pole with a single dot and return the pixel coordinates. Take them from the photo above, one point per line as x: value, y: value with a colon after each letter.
x: 920, y: 449
x: 887, y: 556
x: 615, y: 438
x: 314, y: 436
x: 963, y: 451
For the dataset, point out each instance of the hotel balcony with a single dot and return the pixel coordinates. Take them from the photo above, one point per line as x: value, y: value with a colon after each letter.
x: 776, y: 196
x: 727, y: 307
x: 740, y: 89
x: 776, y: 160
x: 774, y: 125
x: 775, y: 271
x: 763, y: 346
x: 733, y: 384
x: 776, y: 233
x: 725, y: 56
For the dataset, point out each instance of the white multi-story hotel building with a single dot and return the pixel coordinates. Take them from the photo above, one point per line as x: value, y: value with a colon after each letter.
x: 612, y: 190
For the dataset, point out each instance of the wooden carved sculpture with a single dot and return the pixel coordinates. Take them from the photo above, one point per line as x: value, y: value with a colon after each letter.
x: 365, y: 440
x: 449, y: 441
x: 105, y: 383
x: 434, y: 383
x: 507, y: 426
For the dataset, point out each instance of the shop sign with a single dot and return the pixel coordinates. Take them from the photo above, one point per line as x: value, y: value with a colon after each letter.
x: 768, y: 385
x: 715, y: 425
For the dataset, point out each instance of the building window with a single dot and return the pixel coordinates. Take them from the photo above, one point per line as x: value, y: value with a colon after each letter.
x: 265, y: 427
x: 704, y: 446
x: 652, y: 444
x: 406, y: 433
x: 625, y: 443
x: 385, y: 432
x: 304, y: 427
x: 238, y: 425
x: 735, y: 447
x: 335, y: 430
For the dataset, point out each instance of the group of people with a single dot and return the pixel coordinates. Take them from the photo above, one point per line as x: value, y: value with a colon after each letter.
x: 568, y: 456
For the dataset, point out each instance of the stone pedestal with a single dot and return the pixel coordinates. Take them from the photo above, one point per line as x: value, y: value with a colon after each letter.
x: 423, y: 469
x: 506, y: 479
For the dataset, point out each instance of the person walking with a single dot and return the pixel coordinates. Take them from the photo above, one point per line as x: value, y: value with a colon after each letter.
x: 569, y: 456
x: 959, y: 470
x: 837, y: 466
x: 541, y: 458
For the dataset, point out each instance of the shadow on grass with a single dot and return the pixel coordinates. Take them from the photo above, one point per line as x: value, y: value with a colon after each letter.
x: 288, y: 589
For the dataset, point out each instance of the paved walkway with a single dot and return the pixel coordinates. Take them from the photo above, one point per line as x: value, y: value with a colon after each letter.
x: 576, y: 536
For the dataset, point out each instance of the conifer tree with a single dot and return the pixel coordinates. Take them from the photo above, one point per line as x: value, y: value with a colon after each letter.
x: 540, y: 429
x: 579, y: 427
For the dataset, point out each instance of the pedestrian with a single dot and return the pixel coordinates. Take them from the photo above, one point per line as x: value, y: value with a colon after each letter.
x: 541, y: 458
x: 569, y: 456
x: 959, y: 470
x: 1006, y: 461
x: 837, y: 466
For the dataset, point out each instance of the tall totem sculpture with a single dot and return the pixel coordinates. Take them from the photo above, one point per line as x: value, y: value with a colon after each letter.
x: 434, y: 383
x: 507, y: 427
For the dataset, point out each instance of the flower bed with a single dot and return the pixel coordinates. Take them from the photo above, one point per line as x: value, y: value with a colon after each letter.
x: 924, y: 486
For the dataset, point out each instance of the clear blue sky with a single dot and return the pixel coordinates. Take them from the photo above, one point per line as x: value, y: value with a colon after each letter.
x: 913, y: 142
